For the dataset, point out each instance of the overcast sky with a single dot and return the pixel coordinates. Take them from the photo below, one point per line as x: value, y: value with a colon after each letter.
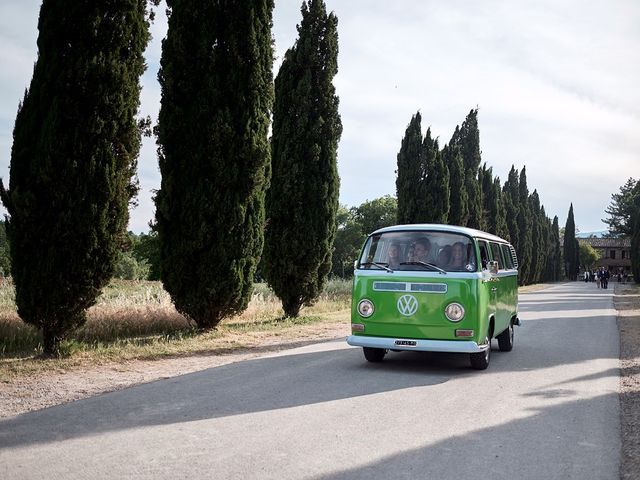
x: 555, y: 81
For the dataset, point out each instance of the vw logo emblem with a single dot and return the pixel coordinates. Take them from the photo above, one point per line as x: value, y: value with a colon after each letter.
x: 407, y: 305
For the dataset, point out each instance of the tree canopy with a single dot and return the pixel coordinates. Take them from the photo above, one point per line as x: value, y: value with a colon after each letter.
x: 621, y: 209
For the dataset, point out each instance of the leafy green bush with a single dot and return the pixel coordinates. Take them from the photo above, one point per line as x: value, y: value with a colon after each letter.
x: 129, y: 268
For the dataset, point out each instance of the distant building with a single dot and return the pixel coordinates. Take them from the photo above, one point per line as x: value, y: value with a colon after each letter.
x: 615, y: 253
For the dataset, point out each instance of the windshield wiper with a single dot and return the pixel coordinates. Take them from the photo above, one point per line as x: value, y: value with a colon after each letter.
x: 379, y: 265
x: 425, y: 264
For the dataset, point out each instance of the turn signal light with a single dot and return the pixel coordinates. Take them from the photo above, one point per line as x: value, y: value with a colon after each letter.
x: 357, y: 327
x: 464, y: 333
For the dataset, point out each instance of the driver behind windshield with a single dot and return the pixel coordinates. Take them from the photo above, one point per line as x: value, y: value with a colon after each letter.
x: 422, y: 251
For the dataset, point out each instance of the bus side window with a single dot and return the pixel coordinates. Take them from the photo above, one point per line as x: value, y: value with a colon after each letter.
x: 513, y: 256
x: 484, y: 255
x: 495, y: 250
x: 506, y: 254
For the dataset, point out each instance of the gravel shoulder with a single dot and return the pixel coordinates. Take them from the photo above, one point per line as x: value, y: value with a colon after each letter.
x: 42, y: 390
x: 627, y: 303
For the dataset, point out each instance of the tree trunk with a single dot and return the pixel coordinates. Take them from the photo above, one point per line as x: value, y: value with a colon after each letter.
x: 51, y: 341
x: 291, y: 307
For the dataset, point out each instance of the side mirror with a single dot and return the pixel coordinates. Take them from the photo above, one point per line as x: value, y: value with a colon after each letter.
x: 493, y: 267
x: 355, y: 264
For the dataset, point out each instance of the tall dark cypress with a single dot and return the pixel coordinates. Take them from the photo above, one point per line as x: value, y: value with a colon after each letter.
x: 458, y: 200
x: 75, y: 144
x: 436, y: 184
x: 485, y: 176
x: 439, y: 188
x: 467, y: 138
x: 410, y: 173
x: 511, y: 197
x: 538, y: 244
x: 214, y: 154
x: 547, y: 249
x: 498, y: 206
x: 557, y: 252
x: 570, y: 246
x: 525, y: 230
x: 493, y: 204
x: 303, y: 198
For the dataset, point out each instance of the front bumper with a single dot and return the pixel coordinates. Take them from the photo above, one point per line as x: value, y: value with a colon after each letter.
x: 462, y: 346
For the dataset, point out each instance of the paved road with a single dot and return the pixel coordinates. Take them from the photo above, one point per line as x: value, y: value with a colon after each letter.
x: 546, y: 410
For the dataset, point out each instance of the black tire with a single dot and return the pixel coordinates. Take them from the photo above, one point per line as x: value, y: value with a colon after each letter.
x: 375, y: 355
x: 480, y: 360
x: 505, y: 339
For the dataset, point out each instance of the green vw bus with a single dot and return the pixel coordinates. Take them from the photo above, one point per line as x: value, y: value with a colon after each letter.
x: 435, y: 288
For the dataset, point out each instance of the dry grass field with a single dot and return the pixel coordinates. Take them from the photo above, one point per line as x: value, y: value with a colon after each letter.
x: 137, y: 320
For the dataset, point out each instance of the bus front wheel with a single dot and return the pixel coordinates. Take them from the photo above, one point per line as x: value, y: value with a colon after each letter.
x: 480, y: 360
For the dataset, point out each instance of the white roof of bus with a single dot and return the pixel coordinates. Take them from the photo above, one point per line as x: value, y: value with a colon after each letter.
x: 441, y: 228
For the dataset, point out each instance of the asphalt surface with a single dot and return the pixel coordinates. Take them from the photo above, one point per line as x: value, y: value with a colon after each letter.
x: 546, y: 410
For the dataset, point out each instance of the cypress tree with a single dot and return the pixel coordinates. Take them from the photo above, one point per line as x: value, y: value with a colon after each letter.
x: 485, y: 176
x: 547, y: 255
x: 436, y: 186
x: 214, y: 153
x: 557, y: 252
x: 467, y: 138
x: 439, y: 187
x: 570, y: 246
x: 525, y: 225
x: 493, y: 206
x: 75, y: 144
x: 498, y: 207
x: 303, y: 198
x: 512, y: 207
x: 458, y: 202
x: 538, y: 247
x: 410, y: 173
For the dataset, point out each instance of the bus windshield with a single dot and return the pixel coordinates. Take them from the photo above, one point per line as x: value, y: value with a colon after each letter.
x: 419, y: 251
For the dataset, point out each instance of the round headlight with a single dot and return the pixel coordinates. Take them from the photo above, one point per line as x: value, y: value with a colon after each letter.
x: 365, y: 308
x: 454, y: 312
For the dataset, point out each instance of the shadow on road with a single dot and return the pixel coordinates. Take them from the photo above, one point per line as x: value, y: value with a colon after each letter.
x: 512, y: 450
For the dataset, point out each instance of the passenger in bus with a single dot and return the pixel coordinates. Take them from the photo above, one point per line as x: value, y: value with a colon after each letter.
x: 458, y: 257
x: 444, y: 257
x: 422, y: 251
x: 393, y: 256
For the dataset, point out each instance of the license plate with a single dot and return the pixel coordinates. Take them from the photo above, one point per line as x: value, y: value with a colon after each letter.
x: 406, y: 343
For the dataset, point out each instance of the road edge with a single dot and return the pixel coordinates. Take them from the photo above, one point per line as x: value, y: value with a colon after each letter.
x: 627, y: 304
